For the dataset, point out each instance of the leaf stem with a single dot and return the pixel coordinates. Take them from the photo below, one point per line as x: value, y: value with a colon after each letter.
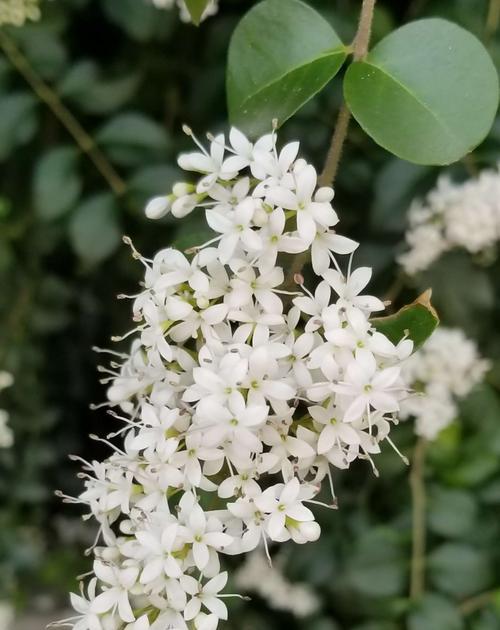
x: 46, y: 94
x: 360, y: 50
x: 419, y: 502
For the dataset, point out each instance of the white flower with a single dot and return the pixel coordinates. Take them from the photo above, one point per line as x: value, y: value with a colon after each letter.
x: 116, y: 596
x: 325, y: 244
x: 348, y: 289
x: 282, y: 502
x: 17, y: 12
x: 271, y: 584
x: 335, y: 431
x: 465, y: 215
x: 205, y: 595
x: 238, y: 395
x: 6, y: 433
x: 205, y: 534
x: 367, y: 387
x: 160, y: 547
x: 6, y: 380
x: 7, y: 616
x: 444, y: 370
x: 310, y: 211
x: 211, y: 164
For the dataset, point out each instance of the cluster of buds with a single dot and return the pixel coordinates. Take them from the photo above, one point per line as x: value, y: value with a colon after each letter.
x: 444, y: 372
x: 242, y: 393
x: 454, y: 215
x: 17, y: 12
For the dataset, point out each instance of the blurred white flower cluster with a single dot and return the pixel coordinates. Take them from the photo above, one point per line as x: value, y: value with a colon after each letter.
x: 445, y: 370
x: 257, y: 576
x: 17, y: 12
x: 6, y: 616
x: 211, y: 9
x: 465, y: 215
x: 239, y: 395
x: 6, y: 433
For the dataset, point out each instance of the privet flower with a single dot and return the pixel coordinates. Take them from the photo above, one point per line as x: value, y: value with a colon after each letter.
x: 6, y: 433
x: 6, y: 615
x: 445, y: 370
x: 454, y: 215
x: 242, y: 393
x: 17, y: 12
x: 269, y: 582
x: 211, y: 8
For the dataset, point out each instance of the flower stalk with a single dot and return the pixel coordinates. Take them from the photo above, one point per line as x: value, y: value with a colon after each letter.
x: 419, y: 530
x: 359, y: 49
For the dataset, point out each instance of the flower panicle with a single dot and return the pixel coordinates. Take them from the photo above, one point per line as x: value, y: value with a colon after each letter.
x: 241, y: 394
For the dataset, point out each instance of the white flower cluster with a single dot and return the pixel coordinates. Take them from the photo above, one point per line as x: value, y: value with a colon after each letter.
x: 6, y: 616
x: 17, y: 12
x: 211, y: 8
x: 257, y: 576
x: 444, y: 370
x: 453, y: 215
x: 6, y: 433
x: 238, y: 396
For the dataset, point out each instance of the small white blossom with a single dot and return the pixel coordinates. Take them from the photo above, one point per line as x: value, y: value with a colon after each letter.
x: 445, y: 370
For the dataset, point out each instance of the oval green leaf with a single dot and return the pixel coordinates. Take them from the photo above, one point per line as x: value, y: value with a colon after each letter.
x: 94, y: 229
x: 427, y: 93
x: 417, y: 321
x: 281, y: 54
x: 56, y: 183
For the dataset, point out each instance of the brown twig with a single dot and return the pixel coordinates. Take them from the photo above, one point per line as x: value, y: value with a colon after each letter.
x: 46, y: 94
x: 359, y: 49
x: 419, y: 501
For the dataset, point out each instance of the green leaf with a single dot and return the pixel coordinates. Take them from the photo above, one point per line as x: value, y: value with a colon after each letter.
x: 452, y: 513
x: 94, y: 230
x: 434, y: 612
x: 196, y: 9
x: 397, y: 184
x: 141, y: 20
x: 428, y: 92
x: 131, y: 138
x: 56, y: 185
x: 473, y: 471
x: 460, y: 570
x: 281, y: 54
x: 84, y: 85
x: 377, y: 567
x: 17, y: 121
x: 463, y: 293
x: 44, y: 48
x: 417, y: 321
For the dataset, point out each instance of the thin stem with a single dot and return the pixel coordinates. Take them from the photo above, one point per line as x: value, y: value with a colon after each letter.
x: 492, y: 20
x: 46, y: 94
x: 331, y: 167
x: 359, y: 49
x: 363, y: 35
x: 469, y: 606
x: 419, y: 500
